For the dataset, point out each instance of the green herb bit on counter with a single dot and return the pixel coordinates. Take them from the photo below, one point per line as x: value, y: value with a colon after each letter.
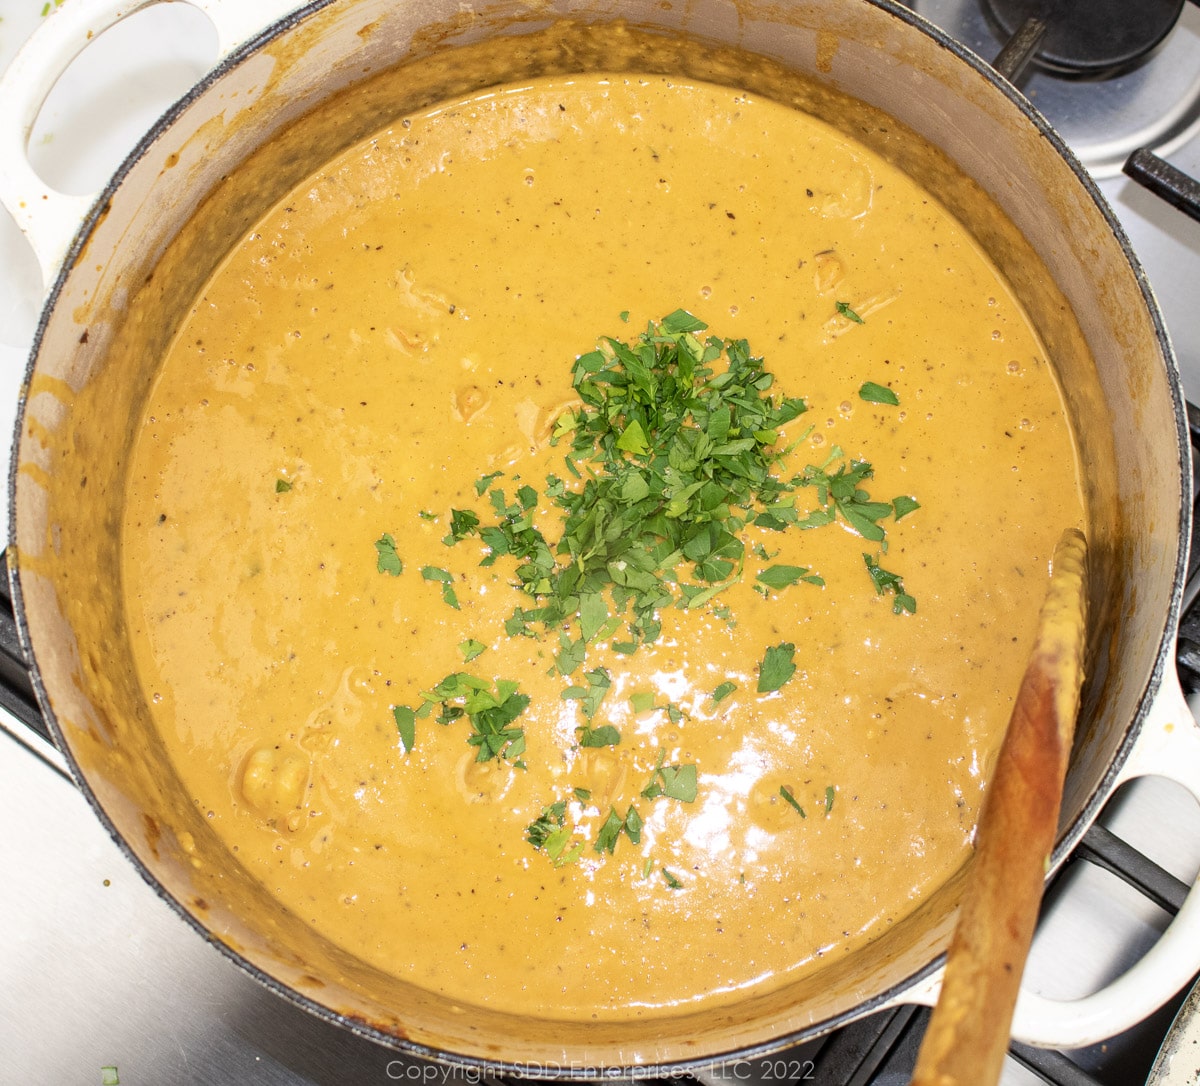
x: 387, y: 560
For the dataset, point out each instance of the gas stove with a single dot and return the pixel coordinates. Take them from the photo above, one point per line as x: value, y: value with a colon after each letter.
x: 105, y: 983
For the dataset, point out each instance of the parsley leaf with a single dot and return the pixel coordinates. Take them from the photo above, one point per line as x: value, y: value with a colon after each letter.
x: 550, y: 833
x: 406, y: 725
x: 446, y: 579
x: 778, y: 665
x: 790, y: 799
x: 491, y: 713
x: 590, y: 696
x: 679, y: 437
x: 673, y: 781
x: 463, y: 522
x: 780, y: 576
x: 484, y: 481
x: 722, y: 692
x: 904, y: 505
x: 873, y: 393
x: 604, y: 736
x: 842, y: 492
x: 470, y: 648
x: 641, y: 701
x: 890, y: 582
x: 614, y: 825
x: 844, y: 309
x: 546, y: 823
x: 282, y: 486
x: 388, y: 561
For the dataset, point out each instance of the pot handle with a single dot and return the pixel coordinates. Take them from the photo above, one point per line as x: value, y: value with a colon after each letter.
x: 50, y: 219
x: 1168, y: 745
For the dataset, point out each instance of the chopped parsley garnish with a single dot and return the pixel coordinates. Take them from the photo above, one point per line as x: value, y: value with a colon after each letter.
x: 642, y: 701
x: 677, y: 438
x: 604, y: 736
x: 780, y: 576
x: 722, y: 692
x: 778, y: 665
x: 470, y: 648
x: 842, y: 493
x: 790, y: 799
x: 873, y: 393
x: 551, y: 834
x: 282, y: 486
x: 673, y: 781
x: 890, y: 582
x: 387, y: 560
x: 614, y: 825
x: 406, y: 725
x: 446, y: 579
x: 491, y: 713
x: 482, y: 483
x: 673, y: 450
x: 551, y: 819
x: 590, y: 696
x: 463, y: 522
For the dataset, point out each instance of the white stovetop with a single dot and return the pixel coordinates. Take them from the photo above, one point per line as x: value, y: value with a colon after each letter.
x: 97, y: 972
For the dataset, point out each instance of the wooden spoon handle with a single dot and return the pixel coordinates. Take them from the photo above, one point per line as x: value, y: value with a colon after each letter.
x: 968, y: 1032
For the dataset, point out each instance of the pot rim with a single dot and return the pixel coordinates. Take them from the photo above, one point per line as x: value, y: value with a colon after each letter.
x: 1069, y: 835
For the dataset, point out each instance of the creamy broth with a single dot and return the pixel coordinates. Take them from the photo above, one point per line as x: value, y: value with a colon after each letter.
x: 405, y: 323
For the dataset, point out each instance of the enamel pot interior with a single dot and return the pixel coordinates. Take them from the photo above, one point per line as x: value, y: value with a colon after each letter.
x: 912, y: 96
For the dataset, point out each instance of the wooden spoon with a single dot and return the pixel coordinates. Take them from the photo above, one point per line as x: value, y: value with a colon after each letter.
x: 968, y: 1032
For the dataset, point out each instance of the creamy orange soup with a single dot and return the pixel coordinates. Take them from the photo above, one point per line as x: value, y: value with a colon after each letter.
x: 677, y: 805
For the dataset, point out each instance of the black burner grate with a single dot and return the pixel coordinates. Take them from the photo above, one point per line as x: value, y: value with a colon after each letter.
x: 1092, y: 39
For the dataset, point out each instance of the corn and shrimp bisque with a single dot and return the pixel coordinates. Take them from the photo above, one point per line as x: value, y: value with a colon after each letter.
x: 522, y: 631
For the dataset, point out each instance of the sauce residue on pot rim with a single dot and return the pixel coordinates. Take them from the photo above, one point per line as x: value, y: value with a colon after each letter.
x: 520, y: 629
